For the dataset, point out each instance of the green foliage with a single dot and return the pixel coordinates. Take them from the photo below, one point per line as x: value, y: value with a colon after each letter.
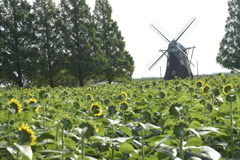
x: 44, y: 44
x: 85, y: 60
x: 47, y: 27
x: 229, y: 51
x: 120, y: 64
x: 155, y: 121
x: 18, y: 56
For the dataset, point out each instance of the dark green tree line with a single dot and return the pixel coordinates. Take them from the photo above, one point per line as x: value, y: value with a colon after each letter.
x: 47, y: 27
x: 229, y: 51
x: 45, y: 44
x: 17, y: 51
x: 120, y: 63
x: 85, y: 60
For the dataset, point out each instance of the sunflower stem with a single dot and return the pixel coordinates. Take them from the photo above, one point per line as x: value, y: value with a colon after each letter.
x: 191, y: 97
x: 143, y: 152
x: 57, y: 135
x: 181, y: 147
x: 124, y: 121
x: 14, y: 118
x: 112, y: 131
x: 62, y: 139
x: 231, y: 129
x: 44, y: 128
x: 204, y: 114
x: 212, y: 97
x: 8, y: 127
x: 112, y: 152
x: 18, y: 154
x: 83, y: 146
x: 10, y: 156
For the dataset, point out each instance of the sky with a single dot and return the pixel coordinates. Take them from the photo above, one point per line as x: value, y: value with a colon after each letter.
x: 143, y: 43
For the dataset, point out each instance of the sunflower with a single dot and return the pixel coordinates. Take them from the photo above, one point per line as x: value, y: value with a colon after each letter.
x: 28, y: 94
x: 96, y: 109
x: 14, y: 104
x: 124, y: 105
x: 32, y: 100
x: 34, y: 107
x: 199, y: 83
x: 221, y: 75
x: 227, y: 88
x: 162, y: 94
x: 26, y: 135
x: 206, y: 89
x: 124, y: 94
x: 67, y: 123
x: 90, y: 96
x: 95, y: 128
x: 27, y: 89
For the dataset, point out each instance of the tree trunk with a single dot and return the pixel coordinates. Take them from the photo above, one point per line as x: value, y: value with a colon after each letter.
x: 18, y: 65
x: 81, y: 83
x: 20, y: 83
x: 51, y: 81
x: 109, y: 81
x: 50, y: 71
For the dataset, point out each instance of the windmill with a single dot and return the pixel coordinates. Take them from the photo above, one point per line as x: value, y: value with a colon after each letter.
x: 178, y: 62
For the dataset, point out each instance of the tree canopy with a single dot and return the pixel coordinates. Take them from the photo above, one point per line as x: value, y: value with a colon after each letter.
x: 17, y: 49
x: 229, y: 51
x: 79, y: 36
x: 47, y: 44
x: 50, y: 47
x: 120, y: 63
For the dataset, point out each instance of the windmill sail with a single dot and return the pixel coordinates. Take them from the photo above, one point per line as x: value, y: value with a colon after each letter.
x: 178, y: 63
x: 185, y: 32
x: 156, y: 61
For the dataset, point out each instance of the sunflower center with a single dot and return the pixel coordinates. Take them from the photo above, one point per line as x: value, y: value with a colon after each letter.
x: 95, y: 109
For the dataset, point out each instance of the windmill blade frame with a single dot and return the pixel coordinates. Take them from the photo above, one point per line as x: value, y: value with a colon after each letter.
x: 160, y: 33
x: 182, y: 52
x: 188, y: 32
x: 185, y: 29
x: 162, y: 30
x: 164, y: 53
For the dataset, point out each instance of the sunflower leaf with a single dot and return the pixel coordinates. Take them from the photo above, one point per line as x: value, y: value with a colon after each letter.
x: 25, y: 149
x: 113, y: 122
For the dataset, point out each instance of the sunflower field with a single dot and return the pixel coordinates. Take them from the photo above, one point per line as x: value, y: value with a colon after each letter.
x: 146, y: 120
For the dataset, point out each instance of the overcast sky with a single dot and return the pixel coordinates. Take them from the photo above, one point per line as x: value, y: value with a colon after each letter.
x: 135, y: 16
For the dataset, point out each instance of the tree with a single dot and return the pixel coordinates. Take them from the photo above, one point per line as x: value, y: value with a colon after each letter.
x: 50, y: 46
x: 120, y: 63
x: 85, y: 60
x: 229, y: 51
x: 18, y: 56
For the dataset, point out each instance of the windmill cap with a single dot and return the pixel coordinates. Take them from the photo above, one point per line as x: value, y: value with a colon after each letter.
x: 174, y: 46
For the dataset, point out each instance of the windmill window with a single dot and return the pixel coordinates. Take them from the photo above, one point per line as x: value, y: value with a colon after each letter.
x: 173, y: 72
x: 181, y: 63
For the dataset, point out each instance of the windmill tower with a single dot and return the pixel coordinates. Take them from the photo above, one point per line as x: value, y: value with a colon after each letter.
x: 178, y: 62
